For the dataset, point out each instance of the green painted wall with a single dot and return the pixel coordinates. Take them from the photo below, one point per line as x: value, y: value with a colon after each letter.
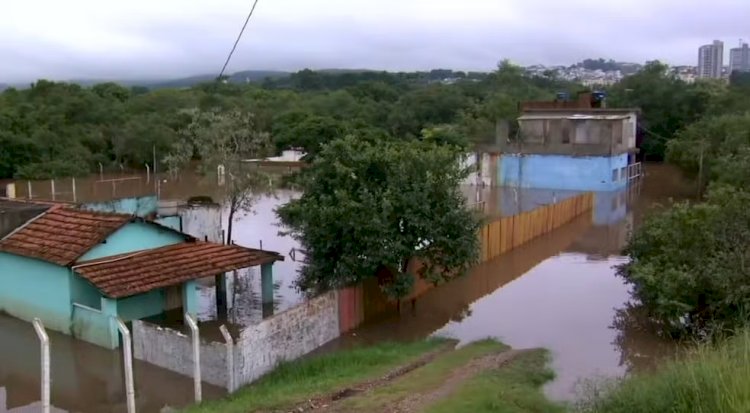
x: 135, y: 236
x: 95, y: 327
x: 83, y: 292
x: 33, y: 288
x: 141, y: 305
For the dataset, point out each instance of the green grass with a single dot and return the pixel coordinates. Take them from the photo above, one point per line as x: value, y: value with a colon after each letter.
x: 295, y: 382
x: 514, y: 388
x: 713, y: 379
x: 423, y: 379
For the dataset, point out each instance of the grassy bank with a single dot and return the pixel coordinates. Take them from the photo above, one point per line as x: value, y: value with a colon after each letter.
x: 711, y: 379
x: 298, y: 381
x: 514, y: 388
x: 485, y: 376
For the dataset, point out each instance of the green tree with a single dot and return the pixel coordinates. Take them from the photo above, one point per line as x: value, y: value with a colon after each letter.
x: 689, y: 264
x: 224, y: 141
x: 367, y: 206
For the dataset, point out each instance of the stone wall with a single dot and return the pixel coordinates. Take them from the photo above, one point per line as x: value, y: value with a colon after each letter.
x: 172, y: 350
x: 286, y: 336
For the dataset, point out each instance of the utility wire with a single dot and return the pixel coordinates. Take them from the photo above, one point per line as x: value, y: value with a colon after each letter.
x: 239, y: 36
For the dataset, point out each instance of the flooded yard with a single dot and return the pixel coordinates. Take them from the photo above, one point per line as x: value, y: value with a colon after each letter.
x: 559, y: 292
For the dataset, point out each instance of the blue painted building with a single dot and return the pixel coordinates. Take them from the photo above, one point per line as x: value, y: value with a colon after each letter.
x: 77, y: 270
x: 579, y: 149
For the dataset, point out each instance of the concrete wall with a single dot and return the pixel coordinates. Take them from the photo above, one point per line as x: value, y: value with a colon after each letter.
x: 202, y: 221
x: 587, y: 173
x: 33, y: 288
x: 258, y: 350
x: 83, y: 292
x: 173, y: 351
x: 138, y: 206
x: 286, y: 336
x: 92, y: 325
x: 135, y: 236
x: 170, y: 222
x: 141, y: 305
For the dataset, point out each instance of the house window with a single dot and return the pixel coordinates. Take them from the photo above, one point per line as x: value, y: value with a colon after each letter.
x: 615, y: 174
x: 623, y: 173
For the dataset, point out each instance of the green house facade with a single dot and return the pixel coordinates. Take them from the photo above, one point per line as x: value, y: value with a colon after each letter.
x: 79, y: 270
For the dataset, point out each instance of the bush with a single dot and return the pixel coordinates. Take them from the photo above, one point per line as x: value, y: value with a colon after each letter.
x: 689, y: 265
x: 710, y: 379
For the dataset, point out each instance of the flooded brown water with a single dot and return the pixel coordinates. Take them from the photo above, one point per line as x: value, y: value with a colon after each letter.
x: 559, y: 292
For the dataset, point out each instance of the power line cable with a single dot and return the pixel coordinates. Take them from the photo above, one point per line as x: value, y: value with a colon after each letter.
x: 239, y: 36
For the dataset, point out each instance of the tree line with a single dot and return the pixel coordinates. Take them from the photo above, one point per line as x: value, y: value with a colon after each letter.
x: 55, y: 129
x: 689, y: 263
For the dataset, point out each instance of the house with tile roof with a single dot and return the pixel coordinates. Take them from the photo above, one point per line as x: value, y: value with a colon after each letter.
x: 77, y: 270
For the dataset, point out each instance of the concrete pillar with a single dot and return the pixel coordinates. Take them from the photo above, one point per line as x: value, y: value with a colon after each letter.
x: 109, y: 310
x: 221, y: 295
x: 10, y: 190
x: 266, y: 280
x: 190, y: 298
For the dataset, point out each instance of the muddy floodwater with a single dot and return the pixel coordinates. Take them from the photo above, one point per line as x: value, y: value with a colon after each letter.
x: 559, y: 292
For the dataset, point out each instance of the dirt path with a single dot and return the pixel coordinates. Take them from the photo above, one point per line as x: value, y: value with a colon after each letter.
x: 329, y: 402
x: 419, y: 401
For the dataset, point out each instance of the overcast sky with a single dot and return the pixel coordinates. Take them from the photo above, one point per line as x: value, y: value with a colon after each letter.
x: 135, y: 39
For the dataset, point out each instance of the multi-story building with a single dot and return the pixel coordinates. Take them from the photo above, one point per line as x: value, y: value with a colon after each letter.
x: 570, y: 145
x: 739, y: 59
x: 711, y: 60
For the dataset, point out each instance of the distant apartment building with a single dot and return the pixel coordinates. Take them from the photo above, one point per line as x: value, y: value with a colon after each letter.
x: 711, y: 60
x: 739, y: 59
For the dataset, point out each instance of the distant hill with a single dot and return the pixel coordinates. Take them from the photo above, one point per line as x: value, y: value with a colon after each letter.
x: 245, y: 76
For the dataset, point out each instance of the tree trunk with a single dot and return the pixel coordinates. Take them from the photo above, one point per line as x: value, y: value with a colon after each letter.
x: 229, y: 225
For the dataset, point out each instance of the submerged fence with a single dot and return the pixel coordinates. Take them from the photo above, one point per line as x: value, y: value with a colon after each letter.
x: 497, y: 236
x: 504, y: 234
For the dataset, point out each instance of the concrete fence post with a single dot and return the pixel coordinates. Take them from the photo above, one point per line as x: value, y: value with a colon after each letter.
x: 127, y: 355
x: 196, y: 356
x: 230, y: 358
x: 73, y: 184
x: 28, y: 190
x: 52, y: 188
x: 10, y: 190
x: 44, y: 341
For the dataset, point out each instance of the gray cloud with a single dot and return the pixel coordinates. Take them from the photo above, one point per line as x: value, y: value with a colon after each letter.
x: 167, y: 38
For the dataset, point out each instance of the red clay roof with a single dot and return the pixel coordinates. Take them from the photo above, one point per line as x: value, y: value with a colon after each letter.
x: 62, y: 235
x: 143, y: 271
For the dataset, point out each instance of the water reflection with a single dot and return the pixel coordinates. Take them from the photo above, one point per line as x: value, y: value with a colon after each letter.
x: 85, y: 378
x: 559, y: 292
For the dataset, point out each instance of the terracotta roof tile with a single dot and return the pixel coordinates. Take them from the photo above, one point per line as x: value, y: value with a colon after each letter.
x: 143, y: 271
x: 62, y: 235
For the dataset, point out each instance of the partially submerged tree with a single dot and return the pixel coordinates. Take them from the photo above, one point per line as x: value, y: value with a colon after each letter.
x: 688, y: 264
x: 372, y: 205
x: 225, y: 142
